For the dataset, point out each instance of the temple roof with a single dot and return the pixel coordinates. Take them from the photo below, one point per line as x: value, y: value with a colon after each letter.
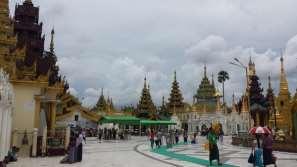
x: 176, y: 97
x: 206, y: 90
x: 283, y: 85
x: 145, y: 107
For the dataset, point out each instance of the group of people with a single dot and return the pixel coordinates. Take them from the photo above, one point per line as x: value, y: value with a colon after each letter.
x: 112, y: 134
x: 261, y: 154
x: 75, y: 148
x: 159, y: 137
x: 107, y: 133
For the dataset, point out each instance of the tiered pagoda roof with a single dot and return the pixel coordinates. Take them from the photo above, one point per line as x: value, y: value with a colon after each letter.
x: 206, y: 90
x: 176, y: 97
x: 164, y: 113
x: 104, y: 106
x: 101, y: 105
x: 7, y: 39
x: 270, y: 97
x: 27, y: 60
x: 206, y: 96
x: 146, y: 108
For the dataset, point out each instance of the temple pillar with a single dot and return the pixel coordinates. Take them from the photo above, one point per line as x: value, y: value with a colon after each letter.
x: 37, y: 112
x: 44, y: 141
x: 3, y: 134
x: 34, y: 142
x: 8, y: 129
x: 15, y: 138
x: 67, y: 137
x: 53, y: 117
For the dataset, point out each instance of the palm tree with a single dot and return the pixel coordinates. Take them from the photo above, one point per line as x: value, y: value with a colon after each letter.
x: 222, y: 77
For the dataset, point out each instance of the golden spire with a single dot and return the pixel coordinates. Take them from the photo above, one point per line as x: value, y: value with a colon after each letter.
x: 283, y: 89
x: 52, y: 41
x: 244, y: 107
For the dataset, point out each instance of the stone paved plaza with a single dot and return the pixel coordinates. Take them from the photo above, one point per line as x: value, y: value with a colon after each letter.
x: 136, y: 153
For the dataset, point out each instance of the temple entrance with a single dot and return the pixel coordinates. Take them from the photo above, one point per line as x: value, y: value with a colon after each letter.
x: 185, y: 126
x: 204, y: 130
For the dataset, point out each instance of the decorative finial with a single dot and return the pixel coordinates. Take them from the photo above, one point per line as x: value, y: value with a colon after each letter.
x: 163, y: 101
x: 174, y: 75
x: 233, y: 98
x: 212, y: 79
x: 52, y: 41
x: 101, y: 91
x: 269, y: 82
x: 204, y: 70
x: 282, y: 63
x: 144, y: 82
x: 250, y: 62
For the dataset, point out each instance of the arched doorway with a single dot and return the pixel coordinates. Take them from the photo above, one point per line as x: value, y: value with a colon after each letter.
x: 204, y: 130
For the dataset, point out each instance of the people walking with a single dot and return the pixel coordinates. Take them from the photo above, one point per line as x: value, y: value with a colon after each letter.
x: 258, y: 152
x: 267, y: 150
x: 159, y: 139
x: 213, y: 147
x: 71, y: 156
x: 79, y: 147
x: 84, y: 136
x: 152, y: 138
x: 185, y: 135
x: 176, y: 136
x: 100, y: 133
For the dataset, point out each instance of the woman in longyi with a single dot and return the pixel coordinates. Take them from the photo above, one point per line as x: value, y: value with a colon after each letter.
x: 213, y: 147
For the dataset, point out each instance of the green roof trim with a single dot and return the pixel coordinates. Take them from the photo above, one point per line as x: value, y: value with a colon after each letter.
x: 131, y: 120
x: 157, y: 122
x: 120, y: 120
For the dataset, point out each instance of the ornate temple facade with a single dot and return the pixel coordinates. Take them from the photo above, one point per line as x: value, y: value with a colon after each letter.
x: 145, y: 107
x: 282, y: 110
x: 205, y: 110
x: 238, y: 119
x: 33, y: 73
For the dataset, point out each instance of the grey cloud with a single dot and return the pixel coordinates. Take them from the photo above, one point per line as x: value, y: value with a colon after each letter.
x: 114, y: 44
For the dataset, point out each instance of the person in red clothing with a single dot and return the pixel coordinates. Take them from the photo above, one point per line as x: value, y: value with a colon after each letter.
x: 152, y: 138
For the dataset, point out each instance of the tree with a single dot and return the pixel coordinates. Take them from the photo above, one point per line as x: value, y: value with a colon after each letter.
x: 222, y: 77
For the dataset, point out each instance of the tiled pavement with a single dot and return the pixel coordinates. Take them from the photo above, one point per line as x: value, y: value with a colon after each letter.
x: 136, y: 153
x: 229, y: 154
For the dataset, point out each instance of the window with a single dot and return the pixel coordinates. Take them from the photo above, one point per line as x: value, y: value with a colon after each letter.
x: 76, y: 118
x: 282, y: 103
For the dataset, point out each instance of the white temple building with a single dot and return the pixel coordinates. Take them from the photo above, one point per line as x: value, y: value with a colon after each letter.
x: 6, y: 112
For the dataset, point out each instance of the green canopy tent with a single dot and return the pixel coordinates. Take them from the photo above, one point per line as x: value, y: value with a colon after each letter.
x: 126, y: 120
x: 157, y: 122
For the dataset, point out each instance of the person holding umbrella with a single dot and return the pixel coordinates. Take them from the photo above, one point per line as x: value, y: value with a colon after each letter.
x: 258, y: 151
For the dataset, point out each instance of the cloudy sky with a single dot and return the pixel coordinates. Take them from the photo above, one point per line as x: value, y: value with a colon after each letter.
x: 114, y: 43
